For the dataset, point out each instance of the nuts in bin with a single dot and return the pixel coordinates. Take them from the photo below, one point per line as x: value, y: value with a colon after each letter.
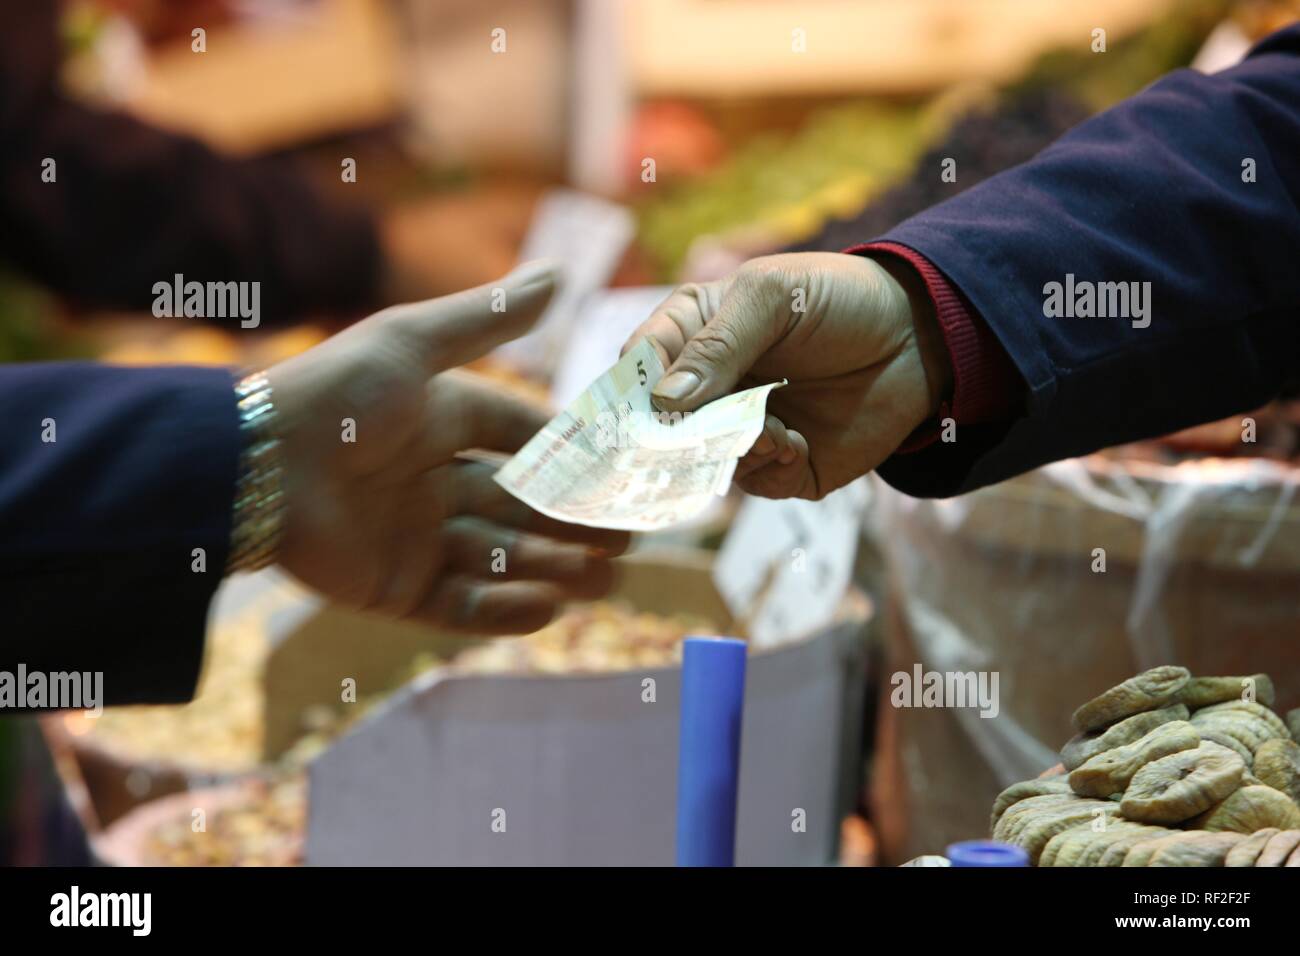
x: 263, y: 827
x: 589, y: 638
x: 266, y: 825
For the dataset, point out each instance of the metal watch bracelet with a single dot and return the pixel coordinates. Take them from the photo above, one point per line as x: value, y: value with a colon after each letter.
x: 258, y: 513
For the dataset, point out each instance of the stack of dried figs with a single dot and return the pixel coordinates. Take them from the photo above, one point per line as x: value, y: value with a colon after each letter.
x: 1166, y: 770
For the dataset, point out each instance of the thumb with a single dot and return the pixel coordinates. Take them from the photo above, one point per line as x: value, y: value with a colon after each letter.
x: 724, y: 349
x: 456, y: 329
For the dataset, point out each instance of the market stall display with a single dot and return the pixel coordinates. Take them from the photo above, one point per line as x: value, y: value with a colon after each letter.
x: 1212, y: 783
x: 257, y: 821
x: 548, y: 686
x: 1074, y: 575
x: 589, y: 639
x: 245, y: 718
x: 327, y: 736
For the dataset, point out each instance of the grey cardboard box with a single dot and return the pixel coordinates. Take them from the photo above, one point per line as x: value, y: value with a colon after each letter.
x: 582, y: 770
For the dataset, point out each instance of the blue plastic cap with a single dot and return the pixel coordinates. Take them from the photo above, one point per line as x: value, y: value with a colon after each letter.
x: 987, y: 853
x: 708, y: 760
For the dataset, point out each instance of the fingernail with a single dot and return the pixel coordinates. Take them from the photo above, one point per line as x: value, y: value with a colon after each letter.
x: 764, y: 445
x: 677, y: 385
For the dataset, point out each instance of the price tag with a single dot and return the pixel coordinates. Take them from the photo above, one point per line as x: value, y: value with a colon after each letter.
x: 785, y: 565
x: 588, y: 236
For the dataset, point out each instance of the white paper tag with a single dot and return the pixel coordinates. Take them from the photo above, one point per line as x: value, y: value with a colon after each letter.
x: 785, y: 565
x: 588, y: 236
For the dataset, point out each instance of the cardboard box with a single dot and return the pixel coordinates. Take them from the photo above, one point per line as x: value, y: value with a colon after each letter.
x: 581, y: 770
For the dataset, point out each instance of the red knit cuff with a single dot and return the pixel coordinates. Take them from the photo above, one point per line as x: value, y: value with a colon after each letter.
x: 984, y: 380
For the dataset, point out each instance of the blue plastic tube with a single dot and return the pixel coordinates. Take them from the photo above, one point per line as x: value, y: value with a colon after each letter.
x: 708, y: 759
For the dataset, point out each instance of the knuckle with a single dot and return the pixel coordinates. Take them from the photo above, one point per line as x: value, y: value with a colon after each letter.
x: 760, y: 280
x: 714, y: 343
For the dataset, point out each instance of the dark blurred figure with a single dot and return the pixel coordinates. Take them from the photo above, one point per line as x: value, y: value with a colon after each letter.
x: 132, y: 205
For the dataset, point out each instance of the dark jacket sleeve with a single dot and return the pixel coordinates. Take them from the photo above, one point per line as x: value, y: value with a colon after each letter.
x: 131, y: 205
x: 111, y: 480
x: 1154, y: 190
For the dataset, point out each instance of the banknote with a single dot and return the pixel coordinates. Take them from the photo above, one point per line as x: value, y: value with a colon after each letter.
x: 611, y: 460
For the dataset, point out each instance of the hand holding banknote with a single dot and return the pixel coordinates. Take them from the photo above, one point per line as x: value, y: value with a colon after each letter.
x: 856, y: 338
x: 611, y: 460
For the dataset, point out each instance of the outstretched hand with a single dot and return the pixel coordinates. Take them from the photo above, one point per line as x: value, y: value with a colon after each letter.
x: 381, y: 515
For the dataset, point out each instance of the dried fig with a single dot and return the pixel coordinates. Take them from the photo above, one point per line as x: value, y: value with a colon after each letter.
x: 1277, y: 764
x: 1041, y: 828
x: 1027, y: 812
x: 1210, y: 734
x: 1278, y: 848
x: 1064, y: 848
x: 1178, y: 787
x: 1258, y: 711
x: 1110, y: 772
x: 1082, y: 747
x: 1116, y: 831
x: 1197, y: 849
x: 1149, y: 690
x: 1247, y: 851
x: 1248, y: 809
x: 1243, y: 728
x: 1083, y: 845
x: 1026, y: 788
x: 1203, y: 691
x: 1140, y: 853
x: 1117, y: 852
x: 1018, y: 813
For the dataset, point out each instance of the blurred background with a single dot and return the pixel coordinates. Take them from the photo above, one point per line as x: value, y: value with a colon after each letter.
x: 644, y: 143
x: 717, y: 128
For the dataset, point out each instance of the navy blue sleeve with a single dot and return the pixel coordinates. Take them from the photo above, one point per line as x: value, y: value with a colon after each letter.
x: 113, y: 483
x: 1192, y: 186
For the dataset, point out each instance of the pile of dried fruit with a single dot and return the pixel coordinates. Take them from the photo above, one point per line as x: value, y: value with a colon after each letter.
x: 590, y: 638
x: 1166, y: 770
x: 263, y: 826
x: 221, y: 730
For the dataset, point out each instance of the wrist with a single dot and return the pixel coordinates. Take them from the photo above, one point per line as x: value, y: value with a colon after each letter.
x: 919, y: 308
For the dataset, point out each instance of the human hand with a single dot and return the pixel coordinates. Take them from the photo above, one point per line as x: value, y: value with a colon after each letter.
x: 391, y: 521
x: 857, y: 339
